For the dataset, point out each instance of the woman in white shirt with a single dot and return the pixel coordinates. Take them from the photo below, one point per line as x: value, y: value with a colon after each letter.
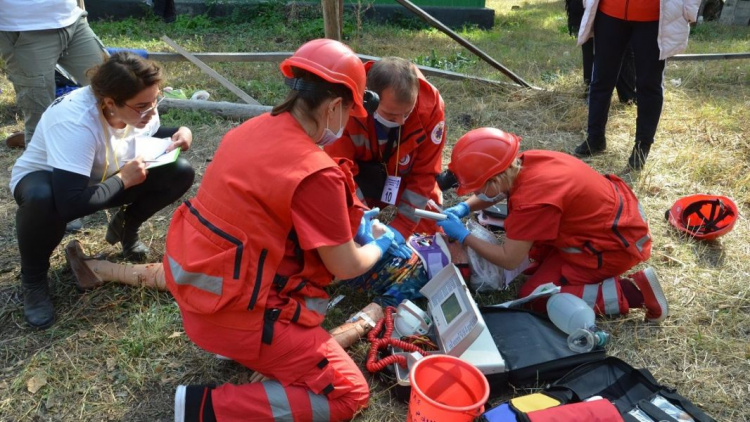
x: 82, y: 160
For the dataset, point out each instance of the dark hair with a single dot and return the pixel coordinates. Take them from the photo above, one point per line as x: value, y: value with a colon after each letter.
x: 396, y: 73
x: 313, y: 91
x: 122, y: 76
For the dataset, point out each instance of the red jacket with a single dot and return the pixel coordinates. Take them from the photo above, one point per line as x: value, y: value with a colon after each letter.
x: 224, y: 246
x: 602, y: 223
x: 419, y: 157
x: 631, y: 10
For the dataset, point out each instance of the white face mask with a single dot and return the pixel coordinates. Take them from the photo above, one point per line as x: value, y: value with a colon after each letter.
x: 382, y: 120
x: 497, y: 198
x: 328, y: 136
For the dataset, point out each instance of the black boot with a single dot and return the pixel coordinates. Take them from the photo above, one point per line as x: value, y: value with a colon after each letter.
x: 639, y: 155
x: 124, y: 230
x: 37, y: 306
x: 591, y: 146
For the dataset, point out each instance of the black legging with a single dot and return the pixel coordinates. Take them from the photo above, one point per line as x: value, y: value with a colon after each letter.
x: 612, y: 37
x: 40, y: 226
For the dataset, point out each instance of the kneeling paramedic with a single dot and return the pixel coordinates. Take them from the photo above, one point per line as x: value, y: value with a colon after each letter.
x: 248, y: 258
x: 581, y: 229
x: 398, y: 148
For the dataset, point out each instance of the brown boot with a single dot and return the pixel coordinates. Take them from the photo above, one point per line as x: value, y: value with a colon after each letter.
x: 16, y: 140
x: 85, y: 278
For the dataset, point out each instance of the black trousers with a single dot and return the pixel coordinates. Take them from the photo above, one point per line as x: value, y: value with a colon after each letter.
x: 610, y: 42
x: 625, y: 81
x: 40, y: 228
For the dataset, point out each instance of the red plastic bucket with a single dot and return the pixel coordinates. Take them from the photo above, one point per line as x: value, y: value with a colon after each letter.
x: 446, y: 388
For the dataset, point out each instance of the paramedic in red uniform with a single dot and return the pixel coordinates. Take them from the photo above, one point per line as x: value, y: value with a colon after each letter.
x: 248, y: 258
x: 581, y: 229
x: 403, y: 137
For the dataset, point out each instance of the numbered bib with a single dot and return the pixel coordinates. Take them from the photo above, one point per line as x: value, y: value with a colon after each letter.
x: 390, y: 190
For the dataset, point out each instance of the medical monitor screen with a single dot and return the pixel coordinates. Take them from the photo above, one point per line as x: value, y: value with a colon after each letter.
x: 451, y: 308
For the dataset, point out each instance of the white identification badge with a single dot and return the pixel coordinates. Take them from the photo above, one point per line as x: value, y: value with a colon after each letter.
x: 390, y: 190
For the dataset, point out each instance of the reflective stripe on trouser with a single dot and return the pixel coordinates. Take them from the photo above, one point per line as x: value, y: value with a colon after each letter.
x: 604, y: 296
x: 314, y: 379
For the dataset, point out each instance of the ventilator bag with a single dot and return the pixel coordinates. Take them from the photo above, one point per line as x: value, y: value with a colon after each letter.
x: 534, y: 350
x: 634, y: 392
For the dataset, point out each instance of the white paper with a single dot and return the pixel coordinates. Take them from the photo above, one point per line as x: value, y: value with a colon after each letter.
x: 152, y: 150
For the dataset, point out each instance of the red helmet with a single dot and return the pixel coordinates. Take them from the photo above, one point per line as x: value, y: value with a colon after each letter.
x: 704, y: 217
x: 334, y: 62
x: 481, y: 154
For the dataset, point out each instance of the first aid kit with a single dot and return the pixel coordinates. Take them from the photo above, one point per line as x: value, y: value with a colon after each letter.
x: 509, y: 346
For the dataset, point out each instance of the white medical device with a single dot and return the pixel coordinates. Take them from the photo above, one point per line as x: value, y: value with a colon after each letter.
x: 458, y: 327
x: 410, y: 320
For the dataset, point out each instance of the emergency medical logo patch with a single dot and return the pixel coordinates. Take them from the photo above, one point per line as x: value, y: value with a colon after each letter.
x: 404, y: 160
x: 437, y: 133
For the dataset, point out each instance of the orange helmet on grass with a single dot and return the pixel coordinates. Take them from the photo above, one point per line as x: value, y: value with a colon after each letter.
x: 333, y: 61
x: 704, y: 217
x: 481, y: 154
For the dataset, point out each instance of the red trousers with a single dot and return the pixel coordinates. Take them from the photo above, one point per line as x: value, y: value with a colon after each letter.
x: 313, y: 378
x: 605, y: 298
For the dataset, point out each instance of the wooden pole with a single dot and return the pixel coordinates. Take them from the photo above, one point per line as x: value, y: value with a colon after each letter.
x: 332, y: 19
x: 469, y: 46
x: 212, y: 73
x: 221, y: 108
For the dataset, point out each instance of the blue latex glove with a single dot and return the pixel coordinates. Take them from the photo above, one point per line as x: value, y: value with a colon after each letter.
x: 461, y: 210
x: 399, y: 248
x: 454, y: 228
x: 384, y: 242
x: 364, y: 232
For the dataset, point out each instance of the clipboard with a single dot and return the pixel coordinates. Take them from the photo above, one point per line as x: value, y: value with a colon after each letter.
x: 153, y: 151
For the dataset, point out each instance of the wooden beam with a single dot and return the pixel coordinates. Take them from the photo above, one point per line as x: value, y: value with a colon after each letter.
x: 221, y: 108
x: 279, y: 56
x: 212, y: 73
x: 221, y: 57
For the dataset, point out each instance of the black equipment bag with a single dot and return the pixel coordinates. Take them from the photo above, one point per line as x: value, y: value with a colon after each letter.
x: 634, y: 392
x: 534, y: 349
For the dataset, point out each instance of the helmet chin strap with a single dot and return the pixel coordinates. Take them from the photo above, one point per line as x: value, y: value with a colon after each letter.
x: 709, y: 223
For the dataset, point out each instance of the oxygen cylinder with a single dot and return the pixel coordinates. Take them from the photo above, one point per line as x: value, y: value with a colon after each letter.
x: 574, y: 317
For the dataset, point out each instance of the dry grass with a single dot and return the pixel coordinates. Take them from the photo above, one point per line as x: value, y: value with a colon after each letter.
x: 117, y: 353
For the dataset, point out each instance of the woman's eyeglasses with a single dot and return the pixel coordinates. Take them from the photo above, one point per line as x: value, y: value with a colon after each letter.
x: 144, y: 112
